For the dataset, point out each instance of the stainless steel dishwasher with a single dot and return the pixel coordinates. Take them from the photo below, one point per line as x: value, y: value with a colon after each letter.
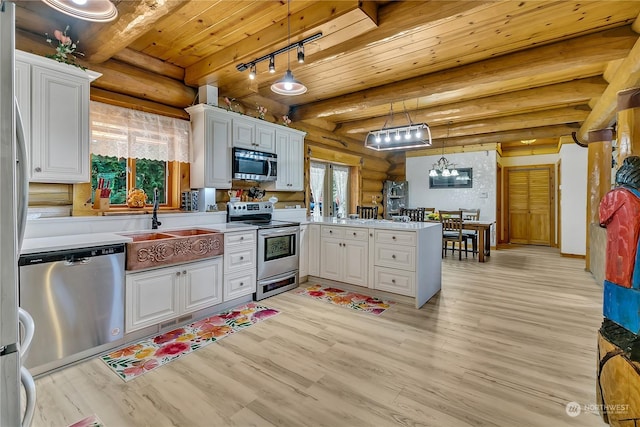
x: 76, y: 299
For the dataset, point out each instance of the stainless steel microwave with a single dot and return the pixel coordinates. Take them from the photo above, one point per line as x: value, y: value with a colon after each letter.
x: 254, y: 165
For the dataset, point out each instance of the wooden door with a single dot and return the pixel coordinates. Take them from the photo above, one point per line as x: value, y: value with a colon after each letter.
x: 530, y: 193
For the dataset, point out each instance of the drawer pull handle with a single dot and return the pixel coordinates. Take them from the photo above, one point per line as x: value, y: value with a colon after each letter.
x: 38, y: 169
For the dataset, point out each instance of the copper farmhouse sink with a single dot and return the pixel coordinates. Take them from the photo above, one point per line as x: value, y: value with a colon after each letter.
x: 148, y: 250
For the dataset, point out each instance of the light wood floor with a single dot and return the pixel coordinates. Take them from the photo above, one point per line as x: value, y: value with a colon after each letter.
x: 506, y: 343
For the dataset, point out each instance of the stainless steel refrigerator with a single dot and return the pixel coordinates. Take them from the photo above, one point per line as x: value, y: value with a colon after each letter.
x: 16, y: 326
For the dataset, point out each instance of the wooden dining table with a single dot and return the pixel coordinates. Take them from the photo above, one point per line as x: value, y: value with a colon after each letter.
x: 484, y: 235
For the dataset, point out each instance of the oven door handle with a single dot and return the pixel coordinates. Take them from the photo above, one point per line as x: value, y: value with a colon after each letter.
x: 277, y: 278
x: 278, y: 231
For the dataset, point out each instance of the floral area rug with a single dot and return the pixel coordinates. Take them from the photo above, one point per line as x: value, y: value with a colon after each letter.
x: 348, y: 299
x: 90, y: 421
x: 132, y: 361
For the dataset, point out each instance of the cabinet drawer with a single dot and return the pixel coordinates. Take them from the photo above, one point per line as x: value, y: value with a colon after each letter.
x: 396, y: 281
x: 242, y: 238
x: 237, y: 285
x: 396, y: 237
x: 329, y: 231
x: 240, y: 259
x: 395, y: 256
x: 356, y: 234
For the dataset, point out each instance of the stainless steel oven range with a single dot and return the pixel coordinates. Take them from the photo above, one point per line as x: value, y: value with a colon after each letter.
x: 278, y: 246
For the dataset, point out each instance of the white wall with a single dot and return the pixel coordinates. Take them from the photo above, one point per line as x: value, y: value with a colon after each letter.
x: 482, y: 195
x: 573, y: 202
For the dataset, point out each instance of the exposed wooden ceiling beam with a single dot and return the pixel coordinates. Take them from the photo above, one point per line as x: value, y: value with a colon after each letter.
x: 566, y: 94
x: 514, y: 135
x: 603, y: 114
x: 135, y: 18
x: 557, y: 62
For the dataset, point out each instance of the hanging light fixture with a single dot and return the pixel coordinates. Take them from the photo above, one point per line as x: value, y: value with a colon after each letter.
x: 443, y: 166
x: 391, y: 137
x: 93, y: 10
x: 288, y: 85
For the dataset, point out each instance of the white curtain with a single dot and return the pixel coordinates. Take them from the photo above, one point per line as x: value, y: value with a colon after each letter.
x: 126, y: 133
x: 317, y: 184
x: 340, y: 180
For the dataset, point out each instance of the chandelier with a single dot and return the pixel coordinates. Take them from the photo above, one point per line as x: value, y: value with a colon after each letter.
x: 391, y: 137
x: 287, y: 85
x: 443, y: 167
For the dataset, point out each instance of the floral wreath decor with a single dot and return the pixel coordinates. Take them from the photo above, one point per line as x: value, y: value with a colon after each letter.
x: 66, y: 49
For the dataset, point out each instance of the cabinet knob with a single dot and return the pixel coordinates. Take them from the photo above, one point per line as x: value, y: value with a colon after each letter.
x: 330, y: 231
x: 38, y: 169
x: 394, y: 237
x: 393, y: 256
x: 393, y: 280
x: 177, y: 273
x: 370, y: 234
x: 241, y: 258
x: 241, y: 283
x: 355, y: 234
x: 184, y: 271
x: 242, y: 237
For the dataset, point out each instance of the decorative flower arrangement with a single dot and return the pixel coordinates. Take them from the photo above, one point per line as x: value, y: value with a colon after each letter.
x: 229, y: 102
x: 261, y: 112
x: 66, y: 49
x: 286, y: 121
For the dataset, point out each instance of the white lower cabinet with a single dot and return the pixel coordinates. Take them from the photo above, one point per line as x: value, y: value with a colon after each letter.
x: 161, y: 294
x: 344, y: 254
x: 239, y: 264
x: 313, y: 236
x: 303, y: 268
x: 394, y: 261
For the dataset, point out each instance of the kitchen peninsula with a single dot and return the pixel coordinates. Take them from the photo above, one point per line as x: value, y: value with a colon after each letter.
x: 398, y: 257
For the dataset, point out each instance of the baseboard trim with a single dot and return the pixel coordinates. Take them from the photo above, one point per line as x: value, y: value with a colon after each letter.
x: 572, y: 256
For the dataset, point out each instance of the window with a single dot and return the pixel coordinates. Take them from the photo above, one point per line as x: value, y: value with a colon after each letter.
x: 332, y: 180
x: 133, y: 149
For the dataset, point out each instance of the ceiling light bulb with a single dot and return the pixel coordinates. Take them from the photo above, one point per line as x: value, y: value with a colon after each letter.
x: 252, y: 73
x: 272, y: 65
x: 418, y: 133
x: 407, y: 134
x: 80, y: 2
x: 397, y: 137
x: 387, y: 138
x: 378, y: 139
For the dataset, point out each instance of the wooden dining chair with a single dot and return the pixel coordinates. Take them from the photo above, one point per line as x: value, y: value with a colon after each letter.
x: 470, y: 235
x: 367, y: 212
x: 415, y: 214
x: 451, y: 232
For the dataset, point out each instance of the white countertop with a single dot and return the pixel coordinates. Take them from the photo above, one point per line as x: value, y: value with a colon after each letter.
x: 77, y: 241
x: 374, y: 223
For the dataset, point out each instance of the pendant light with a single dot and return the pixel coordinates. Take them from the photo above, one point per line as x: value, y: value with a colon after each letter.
x: 288, y: 85
x: 93, y: 10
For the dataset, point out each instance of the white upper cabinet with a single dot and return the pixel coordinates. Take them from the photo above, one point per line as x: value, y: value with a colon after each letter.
x: 290, y: 151
x: 54, y: 104
x: 211, y: 130
x: 254, y: 134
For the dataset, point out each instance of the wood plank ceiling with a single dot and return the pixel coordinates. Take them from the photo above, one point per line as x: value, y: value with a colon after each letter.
x: 475, y: 71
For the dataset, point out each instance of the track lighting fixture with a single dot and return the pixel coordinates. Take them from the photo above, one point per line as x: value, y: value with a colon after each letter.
x: 288, y: 85
x: 398, y: 137
x: 272, y: 64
